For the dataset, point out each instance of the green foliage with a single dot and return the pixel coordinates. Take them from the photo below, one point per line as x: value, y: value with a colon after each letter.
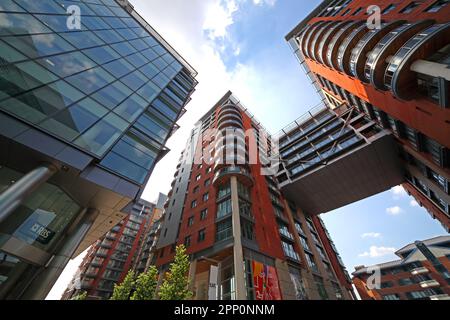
x: 80, y: 296
x: 123, y: 290
x: 175, y: 285
x: 146, y: 285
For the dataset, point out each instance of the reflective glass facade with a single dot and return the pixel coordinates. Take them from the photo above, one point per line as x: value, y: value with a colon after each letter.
x: 109, y: 88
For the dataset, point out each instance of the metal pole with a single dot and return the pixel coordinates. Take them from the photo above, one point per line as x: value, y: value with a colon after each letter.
x: 238, y: 255
x: 43, y: 283
x: 12, y: 197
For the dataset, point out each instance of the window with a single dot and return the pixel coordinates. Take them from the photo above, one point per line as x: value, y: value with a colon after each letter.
x: 224, y: 190
x: 196, y: 189
x: 311, y: 263
x: 207, y: 182
x: 224, y: 208
x: 357, y: 11
x: 102, y: 135
x: 201, y: 235
x: 247, y: 230
x: 194, y: 203
x: 387, y: 284
x: 198, y: 177
x: 391, y: 297
x: 405, y: 281
x: 438, y: 5
x: 190, y: 221
x: 205, y: 197
x: 187, y: 241
x: 289, y: 251
x: 410, y: 7
x: 388, y: 9
x: 304, y: 243
x: 429, y: 86
x: 346, y: 12
x: 224, y: 230
x: 208, y: 170
x: 203, y: 214
x: 321, y: 287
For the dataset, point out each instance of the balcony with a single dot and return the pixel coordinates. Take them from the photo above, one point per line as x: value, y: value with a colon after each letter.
x: 399, y: 78
x: 429, y: 284
x: 230, y: 123
x: 365, y: 44
x: 420, y: 270
x: 317, y: 40
x: 243, y: 175
x: 309, y: 35
x: 376, y: 64
x: 325, y: 42
x: 344, y: 50
x: 333, y: 46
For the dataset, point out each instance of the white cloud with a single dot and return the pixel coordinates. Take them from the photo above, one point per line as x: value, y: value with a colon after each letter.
x: 393, y: 211
x: 218, y: 18
x: 375, y: 252
x: 267, y: 2
x: 398, y: 192
x: 371, y: 235
x: 413, y: 203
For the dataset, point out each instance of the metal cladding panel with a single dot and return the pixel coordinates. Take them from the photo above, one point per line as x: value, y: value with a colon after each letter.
x: 175, y: 209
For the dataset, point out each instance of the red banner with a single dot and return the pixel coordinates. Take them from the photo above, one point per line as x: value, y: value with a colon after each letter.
x: 265, y: 281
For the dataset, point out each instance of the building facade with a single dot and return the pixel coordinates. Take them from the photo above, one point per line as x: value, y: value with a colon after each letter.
x: 144, y: 257
x: 394, y: 73
x: 111, y: 257
x: 87, y: 103
x: 422, y: 272
x: 245, y: 239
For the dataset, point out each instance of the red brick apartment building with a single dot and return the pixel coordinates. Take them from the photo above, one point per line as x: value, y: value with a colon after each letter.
x: 396, y: 75
x: 108, y: 260
x: 422, y: 272
x: 246, y: 240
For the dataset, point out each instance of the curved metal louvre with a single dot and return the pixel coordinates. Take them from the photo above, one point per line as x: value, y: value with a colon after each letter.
x: 311, y: 33
x: 357, y: 49
x: 332, y: 46
x: 325, y: 39
x: 415, y: 42
x: 345, y: 44
x: 379, y: 47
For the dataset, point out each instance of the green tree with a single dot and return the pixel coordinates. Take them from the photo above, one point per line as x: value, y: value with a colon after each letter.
x: 175, y: 285
x: 123, y: 291
x: 145, y: 286
x: 80, y: 296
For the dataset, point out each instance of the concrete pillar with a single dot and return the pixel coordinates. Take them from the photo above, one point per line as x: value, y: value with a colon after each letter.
x: 192, y: 272
x: 12, y: 197
x: 238, y: 254
x: 44, y: 281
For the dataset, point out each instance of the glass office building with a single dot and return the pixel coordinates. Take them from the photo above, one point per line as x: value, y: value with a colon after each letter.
x: 89, y: 94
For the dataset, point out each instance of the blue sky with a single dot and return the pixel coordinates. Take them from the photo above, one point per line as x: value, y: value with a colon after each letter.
x: 239, y: 45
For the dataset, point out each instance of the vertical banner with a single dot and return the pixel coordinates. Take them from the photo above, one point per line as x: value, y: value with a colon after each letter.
x: 212, y: 286
x: 265, y: 282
